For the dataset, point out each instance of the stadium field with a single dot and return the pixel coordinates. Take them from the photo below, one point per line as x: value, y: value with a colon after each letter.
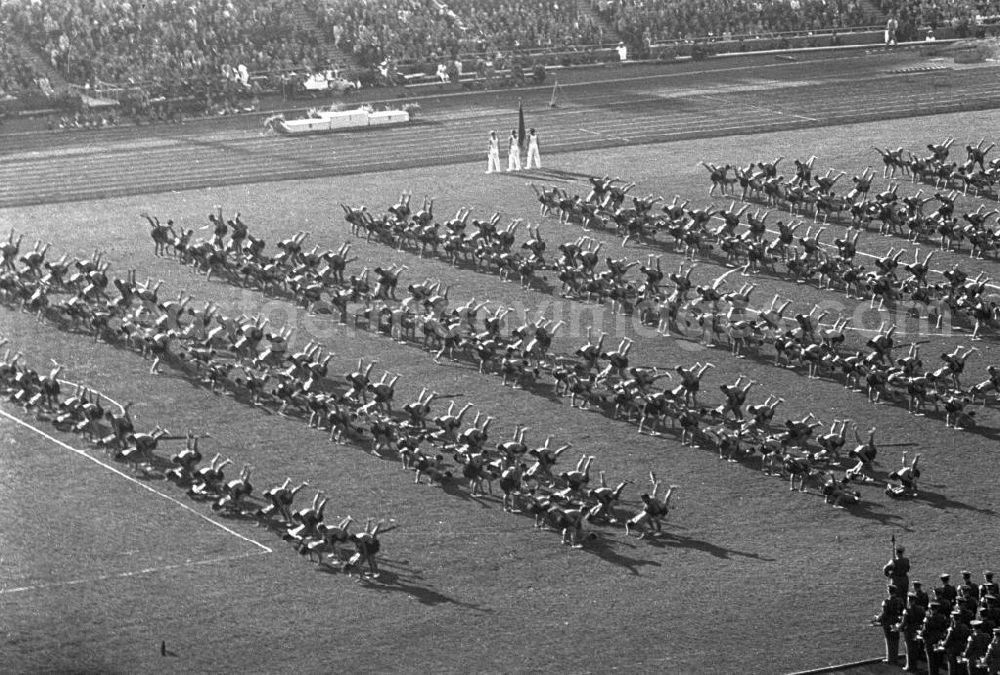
x: 749, y: 577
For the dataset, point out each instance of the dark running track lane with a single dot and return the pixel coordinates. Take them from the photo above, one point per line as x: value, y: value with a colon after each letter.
x: 727, y: 98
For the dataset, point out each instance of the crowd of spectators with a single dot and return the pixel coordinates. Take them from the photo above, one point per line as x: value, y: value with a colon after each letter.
x: 164, y: 43
x: 415, y: 30
x: 214, y: 50
x: 651, y: 21
x: 220, y: 49
x: 181, y: 47
x: 918, y: 17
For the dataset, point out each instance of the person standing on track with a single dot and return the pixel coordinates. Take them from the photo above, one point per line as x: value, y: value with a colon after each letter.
x: 891, y: 26
x: 513, y: 152
x: 493, y: 154
x: 533, y: 150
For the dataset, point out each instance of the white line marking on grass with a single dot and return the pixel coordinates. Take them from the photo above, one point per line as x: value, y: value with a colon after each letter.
x: 125, y: 575
x: 107, y: 398
x: 782, y: 114
x: 4, y: 413
x: 588, y: 131
x: 762, y: 109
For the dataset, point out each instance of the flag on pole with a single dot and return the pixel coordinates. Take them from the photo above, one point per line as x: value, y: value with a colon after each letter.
x: 555, y: 94
x: 520, y: 124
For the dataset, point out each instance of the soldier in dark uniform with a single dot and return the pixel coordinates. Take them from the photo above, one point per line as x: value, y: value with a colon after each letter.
x: 946, y: 593
x: 976, y: 646
x: 967, y: 602
x: 909, y: 626
x: 898, y: 570
x: 991, y: 662
x: 955, y: 639
x: 989, y: 610
x: 968, y: 593
x: 967, y: 587
x: 922, y: 598
x: 888, y: 618
x: 989, y: 587
x: 935, y: 627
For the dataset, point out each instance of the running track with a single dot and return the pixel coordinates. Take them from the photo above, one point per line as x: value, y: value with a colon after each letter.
x: 728, y: 96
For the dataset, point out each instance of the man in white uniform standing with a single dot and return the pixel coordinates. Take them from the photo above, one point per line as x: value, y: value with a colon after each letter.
x: 493, y: 161
x: 533, y: 151
x: 513, y: 152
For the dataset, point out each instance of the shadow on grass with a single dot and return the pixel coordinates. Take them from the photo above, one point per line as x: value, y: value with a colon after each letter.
x: 546, y: 175
x: 605, y: 548
x: 873, y: 511
x: 389, y: 581
x: 672, y: 540
x: 547, y: 391
x: 556, y: 174
x: 447, y: 397
x: 455, y: 490
x: 939, y: 501
x: 393, y: 582
x: 978, y: 429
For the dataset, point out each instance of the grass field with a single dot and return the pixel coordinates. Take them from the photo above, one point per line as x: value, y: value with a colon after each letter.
x: 749, y: 579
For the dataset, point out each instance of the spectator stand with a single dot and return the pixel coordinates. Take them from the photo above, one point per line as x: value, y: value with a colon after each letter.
x: 214, y: 53
x: 641, y: 23
x: 219, y: 57
x: 169, y: 49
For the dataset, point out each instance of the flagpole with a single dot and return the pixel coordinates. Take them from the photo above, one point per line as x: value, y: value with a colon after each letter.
x: 520, y: 123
